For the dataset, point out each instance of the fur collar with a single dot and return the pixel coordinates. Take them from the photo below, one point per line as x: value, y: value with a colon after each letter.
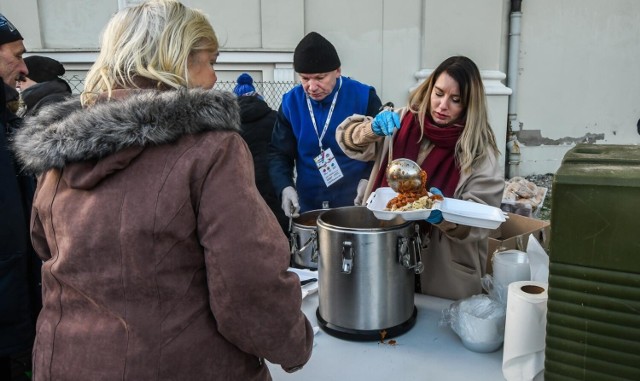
x: 65, y: 132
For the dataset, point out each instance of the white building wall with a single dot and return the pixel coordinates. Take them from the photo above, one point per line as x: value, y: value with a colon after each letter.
x: 577, y: 76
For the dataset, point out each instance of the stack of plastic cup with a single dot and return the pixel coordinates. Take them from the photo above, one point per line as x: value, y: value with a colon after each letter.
x: 509, y: 266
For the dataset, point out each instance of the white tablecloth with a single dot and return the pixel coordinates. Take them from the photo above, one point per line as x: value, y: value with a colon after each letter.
x: 426, y: 352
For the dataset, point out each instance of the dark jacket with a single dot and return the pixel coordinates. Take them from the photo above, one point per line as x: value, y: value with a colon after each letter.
x: 44, y: 93
x: 163, y: 262
x: 19, y: 266
x: 257, y: 125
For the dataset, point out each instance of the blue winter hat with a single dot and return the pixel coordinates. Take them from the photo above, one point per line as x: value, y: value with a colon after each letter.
x: 244, y: 86
x: 8, y: 32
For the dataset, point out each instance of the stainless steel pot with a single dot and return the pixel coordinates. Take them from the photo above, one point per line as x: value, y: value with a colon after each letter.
x: 366, y: 274
x: 303, y: 232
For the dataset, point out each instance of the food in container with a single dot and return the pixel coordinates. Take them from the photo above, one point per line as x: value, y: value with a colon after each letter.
x: 378, y: 200
x: 453, y: 210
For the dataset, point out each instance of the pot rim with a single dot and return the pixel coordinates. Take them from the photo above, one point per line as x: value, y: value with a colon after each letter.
x: 401, y: 224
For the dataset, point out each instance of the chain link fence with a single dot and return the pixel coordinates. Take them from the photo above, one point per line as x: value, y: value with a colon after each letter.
x: 272, y: 92
x: 75, y: 82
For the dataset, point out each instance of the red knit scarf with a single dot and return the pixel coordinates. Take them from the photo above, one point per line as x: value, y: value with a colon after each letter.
x: 440, y: 164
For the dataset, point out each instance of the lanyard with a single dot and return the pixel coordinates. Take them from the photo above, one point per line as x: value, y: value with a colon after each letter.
x: 326, y: 123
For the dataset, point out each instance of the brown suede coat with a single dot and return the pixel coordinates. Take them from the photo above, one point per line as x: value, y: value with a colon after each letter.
x: 162, y: 261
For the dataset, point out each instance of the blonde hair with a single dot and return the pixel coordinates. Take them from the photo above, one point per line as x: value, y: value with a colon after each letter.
x: 477, y: 139
x: 153, y: 40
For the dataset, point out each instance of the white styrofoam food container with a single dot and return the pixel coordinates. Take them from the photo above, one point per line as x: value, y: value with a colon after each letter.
x: 453, y: 210
x: 377, y: 202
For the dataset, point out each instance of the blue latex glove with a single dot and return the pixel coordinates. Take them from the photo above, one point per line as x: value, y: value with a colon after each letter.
x: 384, y: 123
x: 435, y: 217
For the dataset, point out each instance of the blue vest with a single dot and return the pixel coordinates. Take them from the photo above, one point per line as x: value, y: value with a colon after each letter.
x: 353, y: 98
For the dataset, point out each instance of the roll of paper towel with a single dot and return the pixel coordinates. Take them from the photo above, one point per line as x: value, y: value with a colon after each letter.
x: 524, y: 332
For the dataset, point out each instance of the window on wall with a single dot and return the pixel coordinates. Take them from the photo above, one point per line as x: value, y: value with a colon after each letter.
x: 128, y: 3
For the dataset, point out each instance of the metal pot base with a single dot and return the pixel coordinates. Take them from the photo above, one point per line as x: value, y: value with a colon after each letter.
x: 366, y: 335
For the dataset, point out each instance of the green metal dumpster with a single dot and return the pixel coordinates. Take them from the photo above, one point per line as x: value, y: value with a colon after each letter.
x: 593, y: 309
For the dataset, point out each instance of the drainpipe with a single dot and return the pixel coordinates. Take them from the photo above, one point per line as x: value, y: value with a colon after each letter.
x: 513, y: 147
x: 513, y: 157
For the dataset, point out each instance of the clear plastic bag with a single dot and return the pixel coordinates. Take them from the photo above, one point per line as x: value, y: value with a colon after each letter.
x: 478, y: 321
x: 496, y: 291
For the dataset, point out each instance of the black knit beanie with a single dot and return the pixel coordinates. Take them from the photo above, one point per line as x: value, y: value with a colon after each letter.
x: 43, y: 69
x: 8, y: 32
x: 315, y: 54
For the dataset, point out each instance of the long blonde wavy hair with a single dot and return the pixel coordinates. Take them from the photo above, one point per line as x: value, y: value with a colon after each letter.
x: 477, y: 139
x: 152, y: 40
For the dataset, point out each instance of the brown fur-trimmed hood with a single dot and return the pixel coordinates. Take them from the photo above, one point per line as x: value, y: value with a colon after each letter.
x: 65, y: 132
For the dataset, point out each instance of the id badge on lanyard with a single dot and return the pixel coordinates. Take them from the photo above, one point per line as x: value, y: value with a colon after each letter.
x: 326, y: 161
x: 328, y: 167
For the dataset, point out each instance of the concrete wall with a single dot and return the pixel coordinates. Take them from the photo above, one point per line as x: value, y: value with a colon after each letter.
x: 380, y: 42
x: 577, y: 78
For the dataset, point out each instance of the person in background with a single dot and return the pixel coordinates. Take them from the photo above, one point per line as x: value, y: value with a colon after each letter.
x: 304, y: 135
x: 162, y: 261
x: 19, y: 266
x: 445, y: 129
x: 43, y: 84
x: 257, y: 125
x: 12, y: 103
x: 12, y: 66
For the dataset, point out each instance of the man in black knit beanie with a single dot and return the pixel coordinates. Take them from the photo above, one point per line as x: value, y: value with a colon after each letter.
x: 303, y: 140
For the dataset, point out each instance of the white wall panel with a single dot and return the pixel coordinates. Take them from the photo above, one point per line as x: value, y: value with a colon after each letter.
x: 282, y: 23
x: 580, y: 69
x: 578, y: 61
x: 74, y: 24
x: 237, y: 23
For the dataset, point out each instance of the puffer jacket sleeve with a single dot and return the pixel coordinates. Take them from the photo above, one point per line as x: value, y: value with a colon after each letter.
x: 255, y: 300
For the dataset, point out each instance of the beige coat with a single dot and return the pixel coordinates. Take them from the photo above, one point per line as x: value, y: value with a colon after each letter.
x: 454, y: 256
x: 162, y: 260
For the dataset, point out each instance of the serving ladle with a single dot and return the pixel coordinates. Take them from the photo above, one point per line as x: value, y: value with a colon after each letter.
x: 403, y: 175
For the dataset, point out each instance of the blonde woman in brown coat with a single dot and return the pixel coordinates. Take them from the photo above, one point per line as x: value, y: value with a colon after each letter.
x: 162, y: 261
x: 445, y: 129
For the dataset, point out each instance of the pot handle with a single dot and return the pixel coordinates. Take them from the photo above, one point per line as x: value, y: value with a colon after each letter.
x: 418, y: 268
x: 409, y: 252
x: 293, y: 242
x: 311, y: 240
x: 347, y: 260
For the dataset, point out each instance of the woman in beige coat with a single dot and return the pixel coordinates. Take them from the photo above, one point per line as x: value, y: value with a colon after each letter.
x: 162, y: 260
x: 445, y: 129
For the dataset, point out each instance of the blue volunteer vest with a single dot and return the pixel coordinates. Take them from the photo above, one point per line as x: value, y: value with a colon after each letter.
x: 353, y: 98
